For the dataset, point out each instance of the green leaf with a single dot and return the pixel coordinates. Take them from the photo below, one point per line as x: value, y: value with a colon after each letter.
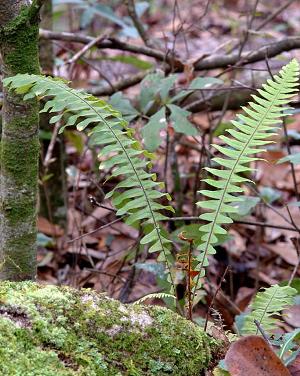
x: 204, y: 82
x: 149, y: 88
x: 293, y: 158
x: 269, y: 194
x: 122, y: 104
x: 152, y: 129
x: 245, y: 206
x: 180, y: 122
x: 131, y: 60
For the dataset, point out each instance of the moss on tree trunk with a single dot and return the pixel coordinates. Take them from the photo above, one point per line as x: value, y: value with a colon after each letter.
x: 19, y: 144
x: 59, y: 331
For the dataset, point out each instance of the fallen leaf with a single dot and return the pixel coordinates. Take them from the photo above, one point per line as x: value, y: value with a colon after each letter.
x: 294, y: 367
x: 252, y: 356
x: 285, y: 250
x: 243, y: 297
x: 292, y: 316
x: 48, y: 228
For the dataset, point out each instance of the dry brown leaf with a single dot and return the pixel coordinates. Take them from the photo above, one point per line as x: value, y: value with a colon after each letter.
x: 294, y: 368
x: 235, y: 246
x: 285, y: 250
x: 252, y: 356
x: 48, y: 228
x: 98, y: 213
x: 243, y: 297
x: 292, y: 316
x: 273, y: 217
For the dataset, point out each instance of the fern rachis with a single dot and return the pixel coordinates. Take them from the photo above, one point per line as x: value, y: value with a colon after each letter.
x: 246, y: 138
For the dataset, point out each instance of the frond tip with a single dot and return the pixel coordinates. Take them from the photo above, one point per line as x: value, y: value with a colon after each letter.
x: 250, y: 132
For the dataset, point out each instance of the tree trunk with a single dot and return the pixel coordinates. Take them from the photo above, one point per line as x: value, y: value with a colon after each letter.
x: 20, y: 143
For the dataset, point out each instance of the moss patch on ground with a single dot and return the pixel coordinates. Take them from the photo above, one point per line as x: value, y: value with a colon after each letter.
x: 47, y: 330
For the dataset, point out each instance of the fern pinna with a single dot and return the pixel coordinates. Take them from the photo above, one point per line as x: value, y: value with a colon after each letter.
x: 266, y: 306
x: 250, y: 131
x: 138, y: 199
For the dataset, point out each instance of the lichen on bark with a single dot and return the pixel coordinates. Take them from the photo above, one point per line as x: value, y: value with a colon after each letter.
x: 59, y: 331
x: 19, y: 144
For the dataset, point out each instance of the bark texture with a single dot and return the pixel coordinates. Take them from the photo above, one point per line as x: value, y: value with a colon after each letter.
x: 19, y: 144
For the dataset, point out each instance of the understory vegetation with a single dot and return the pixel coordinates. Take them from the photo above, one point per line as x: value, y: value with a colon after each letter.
x: 176, y: 185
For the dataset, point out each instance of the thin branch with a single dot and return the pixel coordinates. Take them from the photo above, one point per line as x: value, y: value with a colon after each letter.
x: 108, y: 43
x: 122, y: 84
x: 274, y: 14
x: 214, y: 297
x: 137, y: 23
x: 48, y: 158
x: 249, y: 223
x: 212, y: 62
x: 83, y: 51
x: 97, y: 229
x: 248, y: 57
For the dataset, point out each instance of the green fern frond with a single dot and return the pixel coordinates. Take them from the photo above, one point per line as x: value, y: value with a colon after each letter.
x: 266, y: 304
x: 155, y: 295
x: 251, y: 131
x: 139, y: 190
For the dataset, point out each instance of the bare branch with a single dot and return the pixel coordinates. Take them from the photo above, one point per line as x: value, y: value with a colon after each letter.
x: 212, y: 62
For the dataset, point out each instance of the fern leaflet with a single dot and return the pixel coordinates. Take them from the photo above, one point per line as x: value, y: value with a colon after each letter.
x: 155, y: 295
x: 250, y: 132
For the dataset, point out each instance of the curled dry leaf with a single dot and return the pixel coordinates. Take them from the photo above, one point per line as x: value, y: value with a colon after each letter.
x: 252, y: 356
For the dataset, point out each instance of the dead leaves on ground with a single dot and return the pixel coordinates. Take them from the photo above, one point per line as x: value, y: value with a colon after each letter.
x: 253, y: 356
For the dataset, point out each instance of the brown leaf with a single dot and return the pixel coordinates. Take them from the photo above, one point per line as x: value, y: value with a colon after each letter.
x: 48, y: 228
x: 294, y: 368
x: 292, y: 316
x: 252, y: 356
x: 285, y: 250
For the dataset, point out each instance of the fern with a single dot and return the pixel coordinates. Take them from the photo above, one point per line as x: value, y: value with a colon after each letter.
x: 250, y: 132
x: 138, y: 199
x: 155, y: 295
x: 266, y: 304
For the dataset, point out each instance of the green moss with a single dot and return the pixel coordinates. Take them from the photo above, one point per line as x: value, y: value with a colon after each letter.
x: 47, y: 330
x: 19, y: 39
x: 19, y: 149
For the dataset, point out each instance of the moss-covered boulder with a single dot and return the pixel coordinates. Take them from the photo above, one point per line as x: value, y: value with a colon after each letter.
x: 59, y: 331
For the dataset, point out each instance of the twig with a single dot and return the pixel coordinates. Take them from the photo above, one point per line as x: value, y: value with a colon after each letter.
x: 83, y: 51
x: 214, y: 297
x: 110, y: 43
x: 212, y: 62
x: 294, y: 272
x: 96, y: 68
x: 248, y: 57
x: 97, y: 229
x: 138, y: 25
x: 122, y: 84
x: 48, y: 158
x: 249, y: 223
x: 274, y: 14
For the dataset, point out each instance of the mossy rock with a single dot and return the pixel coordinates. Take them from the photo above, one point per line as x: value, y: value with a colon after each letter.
x: 47, y: 330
